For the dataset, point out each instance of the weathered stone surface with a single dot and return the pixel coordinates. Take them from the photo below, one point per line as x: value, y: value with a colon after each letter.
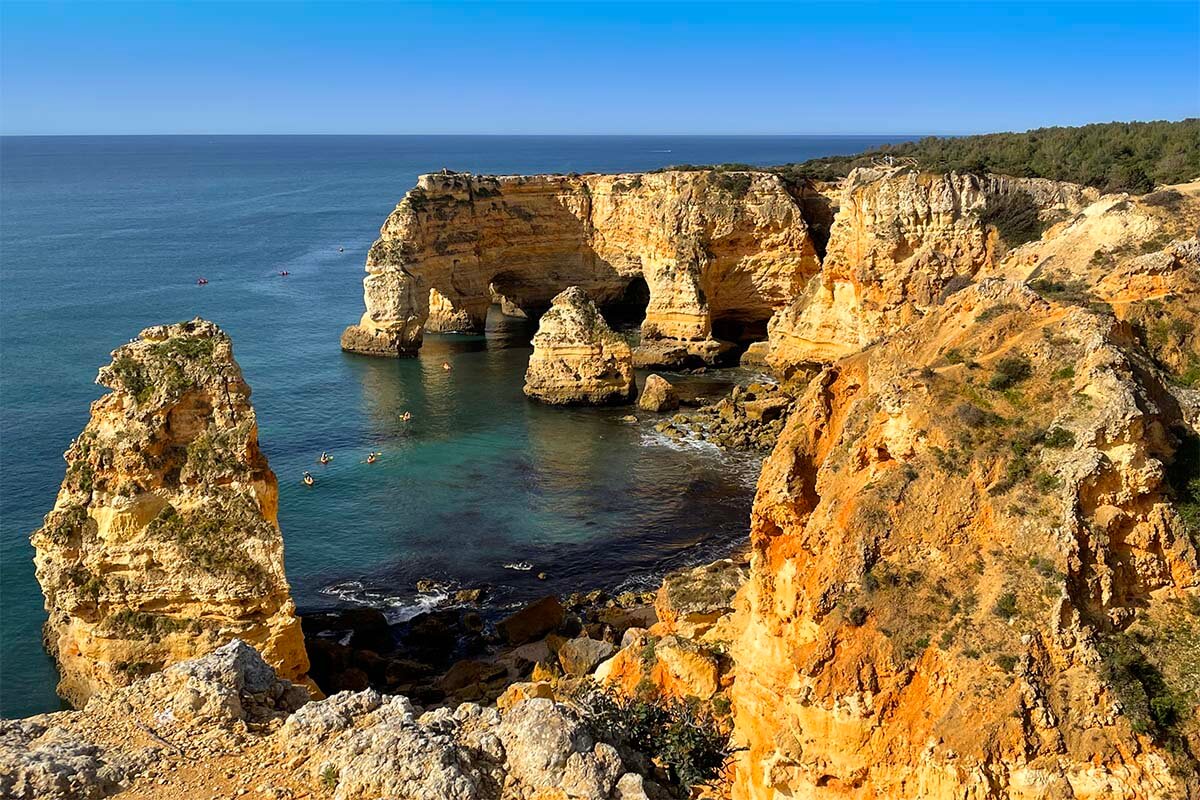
x: 712, y: 248
x: 689, y: 602
x: 577, y: 359
x: 532, y: 622
x: 900, y: 240
x: 580, y: 656
x: 927, y: 469
x: 225, y: 726
x: 658, y: 395
x: 163, y: 542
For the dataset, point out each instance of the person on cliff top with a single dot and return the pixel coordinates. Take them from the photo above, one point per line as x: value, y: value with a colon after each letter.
x: 308, y: 479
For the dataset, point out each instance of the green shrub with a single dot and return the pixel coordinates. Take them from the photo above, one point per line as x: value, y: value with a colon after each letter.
x: 688, y: 742
x: 329, y: 778
x: 1059, y: 438
x: 1010, y: 371
x: 1005, y: 606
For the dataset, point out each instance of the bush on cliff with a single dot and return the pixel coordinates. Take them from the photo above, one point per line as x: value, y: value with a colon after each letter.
x: 689, y: 742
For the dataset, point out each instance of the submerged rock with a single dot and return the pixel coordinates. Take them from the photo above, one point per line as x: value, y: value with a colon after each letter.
x: 577, y: 359
x: 163, y: 543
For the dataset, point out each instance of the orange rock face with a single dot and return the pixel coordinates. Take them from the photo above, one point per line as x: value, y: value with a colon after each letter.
x: 966, y: 544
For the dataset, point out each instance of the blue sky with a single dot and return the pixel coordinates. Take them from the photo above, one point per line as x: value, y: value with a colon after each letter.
x: 592, y: 68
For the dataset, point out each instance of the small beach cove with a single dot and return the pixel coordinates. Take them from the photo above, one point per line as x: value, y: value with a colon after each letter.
x: 109, y: 235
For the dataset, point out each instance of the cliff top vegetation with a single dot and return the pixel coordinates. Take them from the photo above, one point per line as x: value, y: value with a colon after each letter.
x: 1113, y: 157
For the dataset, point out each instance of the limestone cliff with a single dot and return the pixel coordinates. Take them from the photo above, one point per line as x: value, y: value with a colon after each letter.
x: 899, y: 241
x: 975, y: 567
x: 577, y: 358
x: 163, y: 542
x: 719, y: 252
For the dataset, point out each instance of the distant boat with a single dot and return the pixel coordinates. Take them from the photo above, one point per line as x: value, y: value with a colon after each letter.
x: 202, y: 282
x: 284, y: 273
x: 341, y: 249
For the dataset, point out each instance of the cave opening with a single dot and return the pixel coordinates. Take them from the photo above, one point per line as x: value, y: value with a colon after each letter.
x: 740, y: 331
x: 628, y: 310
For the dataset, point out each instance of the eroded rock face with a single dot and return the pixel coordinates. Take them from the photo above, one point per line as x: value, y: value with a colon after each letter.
x: 163, y: 542
x: 577, y: 359
x: 899, y: 241
x: 718, y: 252
x: 965, y: 547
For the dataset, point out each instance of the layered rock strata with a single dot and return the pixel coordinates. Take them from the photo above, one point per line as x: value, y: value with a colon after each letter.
x: 577, y: 358
x: 899, y: 241
x: 717, y: 253
x: 974, y: 555
x: 163, y: 542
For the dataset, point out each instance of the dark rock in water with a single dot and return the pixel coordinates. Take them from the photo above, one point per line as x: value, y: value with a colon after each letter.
x: 469, y: 595
x: 531, y: 622
x: 580, y: 656
x: 368, y: 628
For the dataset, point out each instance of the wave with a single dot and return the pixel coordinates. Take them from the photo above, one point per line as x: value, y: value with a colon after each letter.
x: 395, y: 608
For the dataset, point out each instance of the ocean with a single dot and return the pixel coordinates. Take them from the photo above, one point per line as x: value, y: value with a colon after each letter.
x: 101, y: 237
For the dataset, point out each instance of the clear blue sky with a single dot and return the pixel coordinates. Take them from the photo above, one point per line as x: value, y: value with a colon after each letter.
x: 580, y: 68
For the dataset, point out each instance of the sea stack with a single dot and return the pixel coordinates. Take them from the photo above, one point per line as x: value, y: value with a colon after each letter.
x: 163, y: 543
x: 577, y: 358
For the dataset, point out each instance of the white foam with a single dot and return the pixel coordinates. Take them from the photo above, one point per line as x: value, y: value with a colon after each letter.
x: 394, y: 607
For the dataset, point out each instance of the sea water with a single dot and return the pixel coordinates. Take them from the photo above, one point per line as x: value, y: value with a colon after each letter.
x: 101, y: 237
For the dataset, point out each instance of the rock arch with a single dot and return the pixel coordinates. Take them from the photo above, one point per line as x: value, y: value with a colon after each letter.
x: 698, y: 245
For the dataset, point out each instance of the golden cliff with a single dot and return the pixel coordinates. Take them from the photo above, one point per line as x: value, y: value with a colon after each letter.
x: 719, y: 253
x: 975, y: 567
x: 900, y: 239
x: 163, y: 542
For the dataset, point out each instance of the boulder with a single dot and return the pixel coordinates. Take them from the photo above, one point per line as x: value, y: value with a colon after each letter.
x: 520, y: 692
x: 658, y: 395
x: 577, y: 359
x: 531, y: 622
x: 689, y: 602
x: 580, y: 656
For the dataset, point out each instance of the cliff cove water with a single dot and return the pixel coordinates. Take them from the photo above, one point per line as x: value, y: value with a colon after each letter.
x: 103, y: 236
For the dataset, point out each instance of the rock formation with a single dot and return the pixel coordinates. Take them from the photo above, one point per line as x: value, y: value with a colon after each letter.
x: 163, y: 542
x: 718, y: 253
x: 974, y: 554
x: 577, y: 358
x: 658, y: 395
x: 899, y: 241
x: 224, y: 725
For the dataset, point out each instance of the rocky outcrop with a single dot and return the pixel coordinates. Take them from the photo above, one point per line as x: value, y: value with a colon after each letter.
x: 900, y: 240
x: 972, y: 550
x: 658, y: 395
x: 163, y: 542
x: 577, y: 359
x: 224, y: 726
x: 718, y: 253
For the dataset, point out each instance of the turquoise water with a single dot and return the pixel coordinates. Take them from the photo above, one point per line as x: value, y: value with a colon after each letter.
x: 101, y: 237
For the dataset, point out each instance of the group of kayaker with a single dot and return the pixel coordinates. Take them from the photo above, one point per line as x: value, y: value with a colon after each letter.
x: 308, y: 479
